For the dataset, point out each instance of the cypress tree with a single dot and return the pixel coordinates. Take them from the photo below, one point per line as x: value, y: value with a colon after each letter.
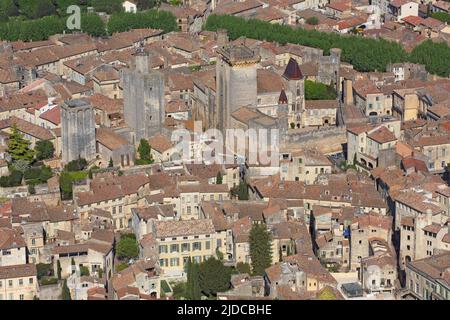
x: 65, y: 292
x: 260, y: 248
x: 58, y: 271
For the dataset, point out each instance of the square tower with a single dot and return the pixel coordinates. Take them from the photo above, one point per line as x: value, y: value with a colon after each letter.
x: 236, y: 84
x: 143, y: 93
x: 77, y: 130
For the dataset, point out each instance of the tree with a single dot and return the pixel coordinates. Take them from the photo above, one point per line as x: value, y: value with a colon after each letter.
x: 111, y: 163
x: 260, y: 248
x: 145, y: 152
x: 34, y: 9
x: 108, y: 6
x: 219, y: 178
x: 65, y: 292
x: 84, y: 271
x: 241, y: 191
x: 58, y: 269
x: 93, y: 25
x: 19, y: 147
x: 66, y: 185
x: 312, y: 21
x: 44, y: 149
x: 144, y: 149
x: 31, y: 189
x: 73, y: 265
x: 8, y: 9
x: 318, y: 91
x: 127, y: 248
x: 242, y: 267
x: 193, y: 291
x: 214, y: 277
x: 76, y: 165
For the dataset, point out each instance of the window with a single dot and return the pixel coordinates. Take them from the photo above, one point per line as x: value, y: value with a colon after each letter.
x: 163, y: 249
x: 208, y: 245
x: 185, y: 247
x: 20, y: 282
x: 174, y: 262
x: 10, y: 283
x: 174, y: 248
x: 197, y: 246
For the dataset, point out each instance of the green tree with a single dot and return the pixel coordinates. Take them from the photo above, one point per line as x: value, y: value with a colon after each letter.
x: 179, y: 290
x: 66, y: 186
x: 72, y: 262
x: 127, y: 247
x: 312, y: 21
x: 260, y: 248
x: 318, y: 91
x: 8, y: 9
x: 442, y: 16
x: 93, y: 25
x: 242, y: 267
x: 193, y: 291
x: 44, y: 149
x: 111, y: 163
x: 84, y: 271
x: 34, y: 9
x: 121, y: 266
x: 65, y: 292
x: 31, y: 189
x: 241, y: 191
x: 58, y: 269
x: 144, y: 149
x: 219, y: 178
x: 19, y: 147
x: 214, y: 277
x: 145, y: 152
x: 154, y: 19
x: 108, y: 6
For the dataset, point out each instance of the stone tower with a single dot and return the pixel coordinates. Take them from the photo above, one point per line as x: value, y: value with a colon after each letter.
x: 77, y: 130
x: 143, y: 92
x: 329, y: 66
x: 283, y: 115
x: 236, y: 84
x: 296, y: 85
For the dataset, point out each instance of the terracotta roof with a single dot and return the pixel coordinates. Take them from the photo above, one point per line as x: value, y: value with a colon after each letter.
x: 10, y: 238
x: 18, y: 271
x: 109, y: 138
x: 321, y: 104
x: 413, y: 20
x: 160, y: 143
x: 53, y: 115
x: 382, y: 135
x: 166, y: 229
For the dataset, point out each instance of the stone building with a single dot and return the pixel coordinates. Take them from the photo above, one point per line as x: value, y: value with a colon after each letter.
x: 236, y: 84
x: 77, y: 130
x: 329, y: 69
x: 296, y: 86
x: 143, y: 93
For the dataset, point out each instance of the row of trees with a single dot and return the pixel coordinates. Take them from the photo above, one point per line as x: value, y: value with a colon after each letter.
x: 147, y: 19
x: 19, y: 28
x: 365, y: 54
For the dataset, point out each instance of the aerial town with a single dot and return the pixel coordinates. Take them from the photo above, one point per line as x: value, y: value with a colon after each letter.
x: 224, y: 150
